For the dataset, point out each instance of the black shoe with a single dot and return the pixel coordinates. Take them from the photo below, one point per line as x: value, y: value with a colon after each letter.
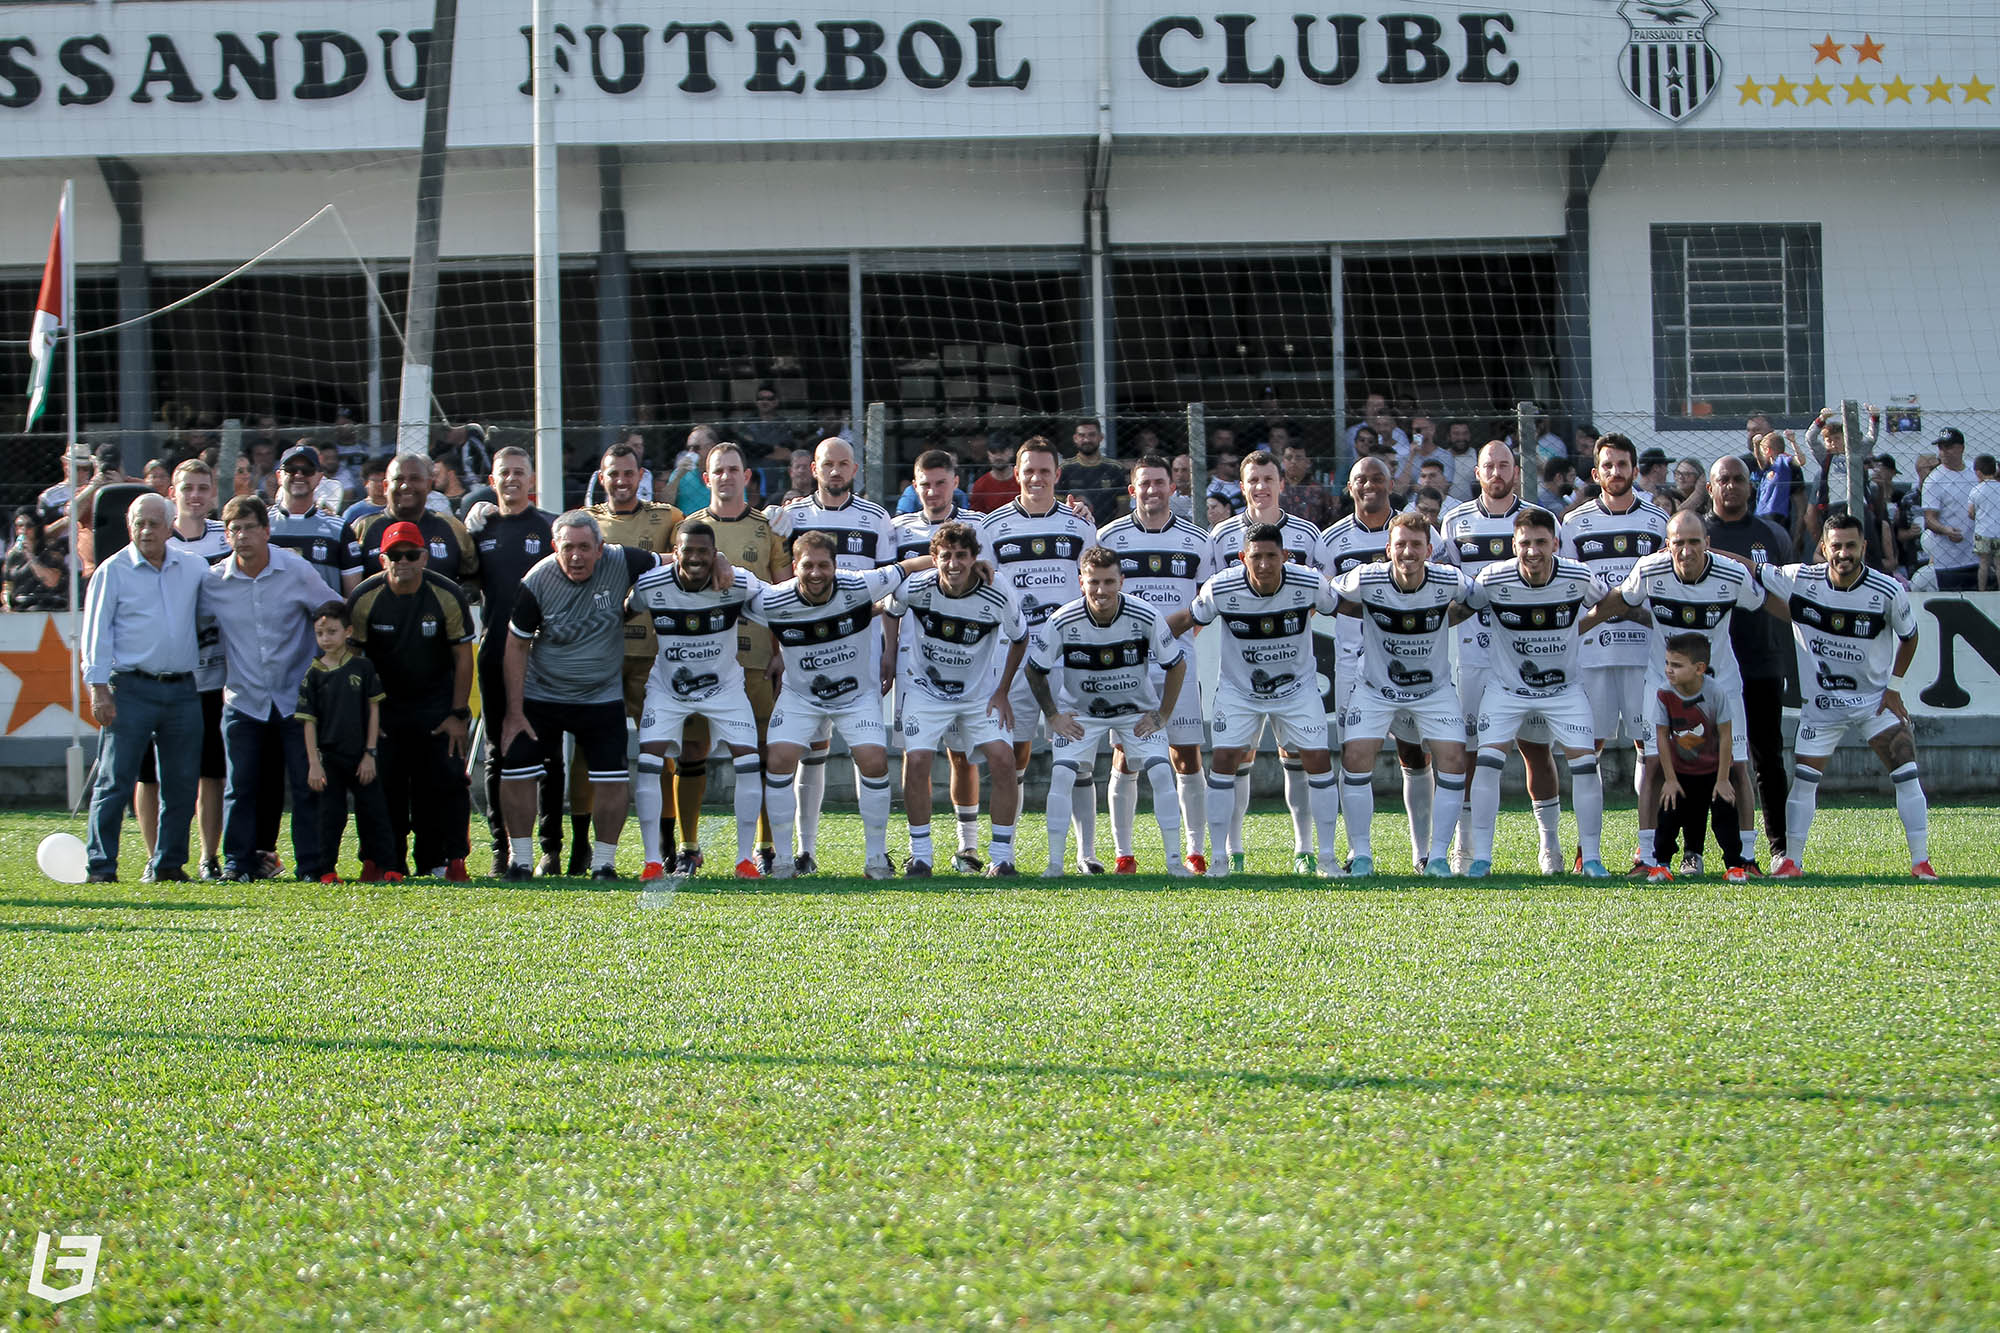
x: 171, y: 875
x: 766, y: 858
x: 1000, y: 870
x: 95, y: 878
x: 917, y: 870
x: 211, y: 869
x: 550, y: 864
x: 579, y: 861
x: 605, y: 872
x: 689, y: 862
x: 1092, y: 867
x: 805, y: 864
x: 967, y: 863
x: 513, y: 874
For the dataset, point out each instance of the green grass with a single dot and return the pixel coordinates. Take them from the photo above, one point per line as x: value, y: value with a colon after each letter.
x: 1106, y: 1103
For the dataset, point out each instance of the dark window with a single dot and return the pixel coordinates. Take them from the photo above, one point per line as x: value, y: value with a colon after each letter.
x: 1736, y: 324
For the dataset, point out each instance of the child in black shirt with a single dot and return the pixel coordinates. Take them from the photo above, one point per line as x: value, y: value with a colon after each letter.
x: 340, y: 704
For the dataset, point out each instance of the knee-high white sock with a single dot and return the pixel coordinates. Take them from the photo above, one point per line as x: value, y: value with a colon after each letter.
x: 1485, y: 803
x: 749, y: 803
x: 968, y: 827
x: 1083, y: 814
x: 1915, y: 810
x: 648, y: 801
x: 1638, y: 770
x: 1323, y: 802
x: 1239, y: 809
x: 1586, y: 786
x: 1062, y: 796
x: 1357, y: 804
x: 1221, y: 813
x: 873, y: 798
x: 781, y: 807
x: 1300, y: 804
x: 1799, y: 809
x: 1548, y: 822
x: 1166, y: 811
x: 1194, y: 808
x: 1417, y: 789
x: 1444, y: 814
x: 812, y: 795
x: 1124, y: 801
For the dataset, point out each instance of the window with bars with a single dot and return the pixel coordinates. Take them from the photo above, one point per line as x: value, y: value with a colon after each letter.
x: 1736, y: 324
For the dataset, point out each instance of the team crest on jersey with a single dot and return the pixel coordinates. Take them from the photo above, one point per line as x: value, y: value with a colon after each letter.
x: 1837, y: 623
x: 948, y: 630
x: 428, y: 627
x: 531, y: 545
x: 1538, y: 618
x: 1039, y: 546
x: 437, y: 550
x: 1687, y: 615
x: 1620, y: 544
x: 1267, y: 625
x: 1107, y: 657
x: 319, y: 553
x: 1131, y: 655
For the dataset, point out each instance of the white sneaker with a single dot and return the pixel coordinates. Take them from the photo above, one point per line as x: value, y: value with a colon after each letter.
x: 1178, y: 870
x: 1055, y: 871
x: 879, y: 868
x: 785, y: 869
x: 1552, y: 861
x: 1219, y: 868
x: 1691, y: 864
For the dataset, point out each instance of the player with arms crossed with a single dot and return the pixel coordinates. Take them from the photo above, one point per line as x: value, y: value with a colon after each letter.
x: 1537, y: 604
x: 1270, y: 673
x: 1165, y: 559
x: 1106, y: 644
x: 957, y: 620
x: 1856, y: 634
x: 1404, y: 608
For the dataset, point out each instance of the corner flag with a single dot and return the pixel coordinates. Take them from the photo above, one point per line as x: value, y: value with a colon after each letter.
x: 51, y: 313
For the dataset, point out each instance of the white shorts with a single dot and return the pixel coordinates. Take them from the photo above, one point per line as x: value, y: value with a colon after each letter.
x: 1435, y: 717
x: 1236, y: 721
x: 1616, y: 693
x: 1080, y: 754
x: 663, y: 717
x: 1504, y: 716
x: 802, y: 722
x: 1472, y: 692
x: 1028, y: 713
x: 1821, y: 731
x: 931, y: 724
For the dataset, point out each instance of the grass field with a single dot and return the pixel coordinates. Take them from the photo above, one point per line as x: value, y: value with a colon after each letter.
x: 1104, y: 1103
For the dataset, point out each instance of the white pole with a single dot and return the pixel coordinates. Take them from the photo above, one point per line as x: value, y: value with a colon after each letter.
x: 548, y: 258
x: 73, y: 760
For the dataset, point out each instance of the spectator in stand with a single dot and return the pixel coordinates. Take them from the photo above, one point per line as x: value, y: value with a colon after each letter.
x: 1780, y: 482
x: 1984, y: 507
x: 798, y: 475
x: 263, y: 456
x: 1302, y: 496
x: 1225, y: 480
x: 1430, y: 476
x: 374, y: 490
x: 829, y: 423
x: 1557, y: 484
x: 465, y: 445
x: 1826, y: 441
x: 1102, y: 484
x: 1182, y: 500
x: 36, y: 579
x: 1145, y: 441
x: 769, y: 436
x: 1425, y: 447
x: 262, y: 430
x: 54, y: 501
x: 1375, y: 415
x: 682, y: 485
x: 159, y: 477
x: 996, y: 486
x: 1548, y: 444
x: 1430, y: 503
x: 1365, y: 440
x: 83, y: 509
x: 1218, y: 509
x: 1906, y: 514
x: 1464, y: 461
x: 1583, y: 441
x: 1688, y: 484
x: 1652, y: 478
x: 342, y: 484
x: 243, y: 478
x: 1947, y: 516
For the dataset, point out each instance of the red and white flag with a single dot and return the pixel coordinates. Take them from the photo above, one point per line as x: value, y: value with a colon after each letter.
x: 51, y: 313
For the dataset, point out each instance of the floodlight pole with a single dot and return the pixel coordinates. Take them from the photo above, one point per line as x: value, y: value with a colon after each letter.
x: 413, y: 416
x: 548, y: 268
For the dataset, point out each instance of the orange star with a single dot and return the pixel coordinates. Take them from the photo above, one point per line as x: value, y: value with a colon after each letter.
x: 1749, y: 91
x: 1859, y: 91
x: 1939, y: 90
x: 1826, y: 50
x: 1895, y: 90
x: 1975, y: 91
x: 1867, y: 49
x: 1818, y: 91
x: 44, y: 675
x: 1784, y: 90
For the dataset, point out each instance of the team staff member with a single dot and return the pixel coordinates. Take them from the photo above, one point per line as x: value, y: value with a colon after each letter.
x: 626, y: 520
x: 745, y: 536
x: 447, y: 546
x: 415, y: 625
x: 298, y: 523
x: 511, y: 536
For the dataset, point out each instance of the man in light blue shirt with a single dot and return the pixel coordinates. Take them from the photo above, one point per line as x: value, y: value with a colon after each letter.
x: 139, y: 652
x: 262, y: 598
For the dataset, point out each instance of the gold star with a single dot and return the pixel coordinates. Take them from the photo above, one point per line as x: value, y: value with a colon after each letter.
x: 1939, y: 90
x: 1975, y: 91
x: 1784, y: 90
x: 1858, y: 91
x: 1750, y: 91
x: 1895, y: 90
x: 1826, y: 50
x: 1818, y: 90
x: 1867, y: 49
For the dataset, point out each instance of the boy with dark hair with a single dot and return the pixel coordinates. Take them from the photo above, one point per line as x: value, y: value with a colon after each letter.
x: 340, y: 702
x: 1694, y: 724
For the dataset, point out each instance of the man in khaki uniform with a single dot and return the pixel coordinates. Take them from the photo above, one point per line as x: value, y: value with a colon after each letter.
x: 626, y: 521
x: 744, y: 536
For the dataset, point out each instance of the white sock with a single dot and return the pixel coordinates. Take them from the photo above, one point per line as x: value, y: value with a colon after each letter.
x: 968, y: 827
x: 1239, y: 808
x: 647, y: 802
x: 1002, y: 848
x: 1649, y: 845
x: 1083, y: 814
x: 523, y: 850
x: 1444, y: 814
x: 1799, y: 809
x: 1166, y: 811
x: 1124, y: 802
x: 781, y: 807
x: 1586, y: 786
x: 812, y: 795
x: 874, y: 802
x: 1417, y: 797
x: 1062, y: 795
x: 749, y: 803
x: 1323, y: 797
x: 920, y: 843
x: 1548, y: 822
x: 1300, y: 805
x: 603, y: 855
x: 1221, y: 805
x: 1194, y: 808
x: 1914, y: 809
x: 1485, y: 802
x: 1357, y: 804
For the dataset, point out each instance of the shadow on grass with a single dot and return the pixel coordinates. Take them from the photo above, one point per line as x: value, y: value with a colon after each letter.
x: 1078, y: 883
x: 123, y: 905
x: 1293, y: 1080
x: 95, y: 927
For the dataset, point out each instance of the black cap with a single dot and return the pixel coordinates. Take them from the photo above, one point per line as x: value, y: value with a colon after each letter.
x: 1653, y: 458
x: 106, y: 455
x: 1949, y: 435
x: 1883, y: 460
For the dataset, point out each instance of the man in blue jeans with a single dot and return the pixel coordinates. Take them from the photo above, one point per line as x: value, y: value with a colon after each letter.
x: 262, y: 598
x: 138, y: 659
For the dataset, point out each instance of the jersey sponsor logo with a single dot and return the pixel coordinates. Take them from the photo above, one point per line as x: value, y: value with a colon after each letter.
x: 827, y: 628
x: 1111, y: 708
x: 1828, y: 679
x: 827, y: 690
x: 1408, y: 678
x: 1427, y: 620
x: 1104, y: 656
x: 942, y: 683
x: 704, y: 622
x: 1498, y: 546
x: 687, y: 684
x: 1264, y: 683
x: 1543, y: 678
x: 952, y: 629
x: 1833, y: 620
x: 1701, y: 615
x: 1159, y: 564
x: 1279, y: 625
x: 1557, y: 615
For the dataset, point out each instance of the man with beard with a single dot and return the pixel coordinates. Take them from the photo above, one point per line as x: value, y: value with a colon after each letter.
x: 448, y: 548
x: 1092, y: 479
x: 298, y: 524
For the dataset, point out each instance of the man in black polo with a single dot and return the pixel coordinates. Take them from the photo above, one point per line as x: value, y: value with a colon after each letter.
x: 1763, y: 644
x: 447, y: 548
x: 415, y: 625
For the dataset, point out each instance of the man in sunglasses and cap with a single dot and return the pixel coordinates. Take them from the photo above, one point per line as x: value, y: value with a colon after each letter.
x: 300, y: 525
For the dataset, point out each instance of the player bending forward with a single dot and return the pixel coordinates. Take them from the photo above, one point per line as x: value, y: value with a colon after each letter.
x: 1105, y: 643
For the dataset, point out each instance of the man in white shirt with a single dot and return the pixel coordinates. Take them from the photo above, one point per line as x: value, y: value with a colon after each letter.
x: 1947, y: 497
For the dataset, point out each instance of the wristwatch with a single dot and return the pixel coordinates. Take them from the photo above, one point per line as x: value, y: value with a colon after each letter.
x: 369, y: 750
x: 462, y: 714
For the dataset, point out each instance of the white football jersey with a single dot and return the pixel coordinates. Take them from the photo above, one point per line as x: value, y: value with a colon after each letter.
x: 951, y: 645
x: 1349, y: 544
x: 1702, y: 607
x: 1301, y: 539
x: 1405, y: 650
x: 1164, y: 568
x: 696, y: 629
x: 1847, y: 637
x: 1609, y: 544
x: 1035, y: 555
x: 832, y: 654
x: 863, y: 535
x: 913, y: 538
x: 1478, y: 539
x: 1106, y: 669
x: 1267, y: 642
x: 1535, y: 641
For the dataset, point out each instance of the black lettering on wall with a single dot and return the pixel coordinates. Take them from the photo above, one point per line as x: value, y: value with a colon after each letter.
x: 1346, y: 48
x: 260, y: 77
x: 565, y: 38
x: 849, y: 41
x: 986, y: 59
x: 1236, y: 54
x: 632, y: 45
x: 314, y: 86
x: 1481, y: 46
x: 1414, y: 53
x: 76, y: 62
x: 164, y: 65
x: 697, y: 79
x: 420, y: 38
x: 944, y: 42
x: 773, y: 54
x: 1153, y: 62
x: 1958, y: 621
x: 23, y: 84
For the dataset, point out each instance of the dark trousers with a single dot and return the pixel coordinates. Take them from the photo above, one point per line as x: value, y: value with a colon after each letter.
x: 425, y: 788
x: 493, y: 708
x: 371, y: 818
x: 1958, y: 578
x: 253, y: 780
x: 1764, y: 728
x: 1697, y: 806
x: 149, y: 712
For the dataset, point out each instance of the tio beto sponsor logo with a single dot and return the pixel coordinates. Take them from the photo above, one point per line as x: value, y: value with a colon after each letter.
x: 78, y: 1254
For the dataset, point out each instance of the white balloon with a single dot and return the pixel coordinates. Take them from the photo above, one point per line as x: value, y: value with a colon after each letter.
x: 62, y: 858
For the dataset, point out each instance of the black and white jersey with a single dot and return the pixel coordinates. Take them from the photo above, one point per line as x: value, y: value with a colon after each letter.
x: 1405, y: 651
x: 864, y: 536
x: 1609, y: 543
x: 1349, y: 544
x: 833, y: 656
x: 1535, y: 640
x: 951, y: 646
x: 1107, y: 669
x: 1267, y: 641
x: 695, y: 628
x: 320, y: 540
x: 1301, y: 539
x: 1703, y: 606
x: 1847, y: 637
x: 212, y: 546
x: 1035, y: 555
x: 1163, y: 568
x: 1478, y: 539
x: 913, y: 531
